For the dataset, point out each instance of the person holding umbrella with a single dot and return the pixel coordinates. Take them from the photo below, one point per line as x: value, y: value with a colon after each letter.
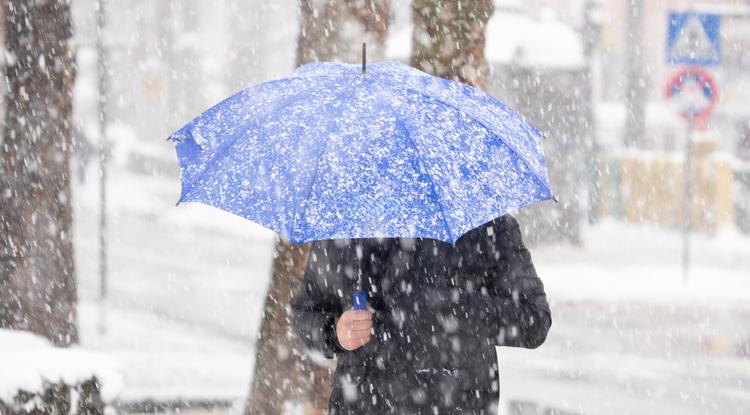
x: 405, y: 181
x: 426, y: 343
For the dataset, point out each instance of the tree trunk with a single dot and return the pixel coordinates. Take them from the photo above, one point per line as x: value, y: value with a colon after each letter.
x: 448, y: 39
x: 287, y: 377
x: 37, y: 279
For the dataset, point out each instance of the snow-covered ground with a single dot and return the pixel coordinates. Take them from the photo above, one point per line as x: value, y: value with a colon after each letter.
x: 187, y: 283
x: 620, y: 263
x: 630, y: 335
x: 165, y: 360
x: 29, y: 362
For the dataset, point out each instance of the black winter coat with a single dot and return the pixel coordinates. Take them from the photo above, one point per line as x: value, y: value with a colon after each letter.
x: 440, y: 310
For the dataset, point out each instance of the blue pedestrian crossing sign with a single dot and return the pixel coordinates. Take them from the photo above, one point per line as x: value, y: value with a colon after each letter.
x: 693, y: 38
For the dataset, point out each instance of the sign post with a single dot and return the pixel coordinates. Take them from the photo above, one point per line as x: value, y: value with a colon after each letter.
x: 687, y: 201
x: 692, y: 39
x: 693, y: 93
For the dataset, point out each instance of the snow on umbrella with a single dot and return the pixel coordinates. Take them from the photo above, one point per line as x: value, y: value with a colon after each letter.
x: 334, y: 151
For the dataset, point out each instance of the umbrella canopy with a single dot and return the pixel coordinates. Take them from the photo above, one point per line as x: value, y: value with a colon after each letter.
x: 334, y: 152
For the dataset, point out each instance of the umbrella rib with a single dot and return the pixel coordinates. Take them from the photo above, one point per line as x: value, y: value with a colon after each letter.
x: 423, y: 75
x: 314, y: 178
x: 432, y: 181
x: 481, y: 122
x: 246, y: 90
x: 220, y: 153
x: 298, y: 215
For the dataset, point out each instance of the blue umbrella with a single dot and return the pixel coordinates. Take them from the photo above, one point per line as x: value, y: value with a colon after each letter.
x: 333, y: 151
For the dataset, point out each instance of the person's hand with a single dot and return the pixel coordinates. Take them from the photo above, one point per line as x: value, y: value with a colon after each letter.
x: 354, y: 328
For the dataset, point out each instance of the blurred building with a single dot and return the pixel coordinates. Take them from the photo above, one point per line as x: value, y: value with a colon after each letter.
x: 538, y: 68
x: 611, y: 58
x: 644, y: 182
x: 650, y: 182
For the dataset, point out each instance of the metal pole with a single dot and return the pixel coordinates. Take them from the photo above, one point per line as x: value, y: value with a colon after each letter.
x: 590, y: 40
x: 687, y: 200
x: 635, y: 92
x: 103, y: 148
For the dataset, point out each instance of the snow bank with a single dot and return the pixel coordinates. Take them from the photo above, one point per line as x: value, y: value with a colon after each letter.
x: 29, y: 363
x: 171, y: 360
x: 610, y: 120
x: 519, y: 39
x: 398, y: 45
x: 626, y: 263
x: 514, y: 38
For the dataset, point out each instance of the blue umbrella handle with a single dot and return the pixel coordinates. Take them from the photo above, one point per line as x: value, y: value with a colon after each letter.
x: 360, y: 300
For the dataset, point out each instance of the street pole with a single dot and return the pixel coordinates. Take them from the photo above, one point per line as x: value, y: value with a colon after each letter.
x: 687, y: 200
x: 635, y: 92
x: 103, y: 149
x: 590, y: 40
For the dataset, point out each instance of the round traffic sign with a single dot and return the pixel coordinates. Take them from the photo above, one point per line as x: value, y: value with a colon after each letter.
x: 693, y: 92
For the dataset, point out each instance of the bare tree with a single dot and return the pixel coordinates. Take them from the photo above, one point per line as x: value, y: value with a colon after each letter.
x: 334, y: 30
x: 37, y: 276
x: 448, y: 39
x: 286, y: 374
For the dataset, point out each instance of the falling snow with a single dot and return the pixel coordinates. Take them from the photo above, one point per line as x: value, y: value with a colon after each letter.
x: 630, y: 293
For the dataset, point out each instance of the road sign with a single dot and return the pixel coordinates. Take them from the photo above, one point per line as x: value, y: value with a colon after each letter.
x: 693, y: 39
x: 693, y: 92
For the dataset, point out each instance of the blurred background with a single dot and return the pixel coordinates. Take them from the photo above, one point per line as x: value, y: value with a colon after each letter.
x: 171, y: 298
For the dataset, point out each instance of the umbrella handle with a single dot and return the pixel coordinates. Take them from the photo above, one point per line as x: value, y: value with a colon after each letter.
x: 360, y: 300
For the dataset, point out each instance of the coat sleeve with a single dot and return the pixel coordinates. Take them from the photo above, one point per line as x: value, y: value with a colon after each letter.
x: 513, y: 308
x: 314, y: 314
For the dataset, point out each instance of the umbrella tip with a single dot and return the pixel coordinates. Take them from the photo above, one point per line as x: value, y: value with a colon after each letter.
x: 177, y: 204
x: 554, y: 199
x: 364, y: 57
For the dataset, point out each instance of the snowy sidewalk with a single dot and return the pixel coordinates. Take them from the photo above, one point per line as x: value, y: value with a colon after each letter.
x: 168, y: 361
x: 635, y: 358
x: 630, y: 336
x: 619, y: 263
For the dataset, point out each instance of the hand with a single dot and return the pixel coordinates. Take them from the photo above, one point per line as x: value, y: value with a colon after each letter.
x: 354, y: 328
